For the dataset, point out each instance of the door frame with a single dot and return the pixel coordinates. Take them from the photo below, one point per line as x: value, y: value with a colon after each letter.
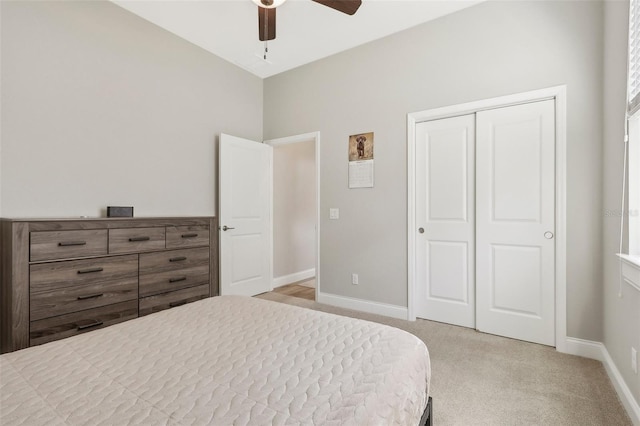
x: 559, y: 95
x: 305, y: 137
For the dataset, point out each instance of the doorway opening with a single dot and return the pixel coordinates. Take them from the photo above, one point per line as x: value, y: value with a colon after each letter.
x: 295, y: 194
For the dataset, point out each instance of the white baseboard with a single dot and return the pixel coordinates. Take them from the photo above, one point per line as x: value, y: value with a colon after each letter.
x: 393, y: 311
x: 631, y: 405
x: 585, y: 348
x: 598, y: 351
x: 293, y: 278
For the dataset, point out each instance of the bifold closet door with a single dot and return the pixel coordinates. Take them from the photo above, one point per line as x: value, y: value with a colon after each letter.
x: 515, y: 222
x: 445, y: 269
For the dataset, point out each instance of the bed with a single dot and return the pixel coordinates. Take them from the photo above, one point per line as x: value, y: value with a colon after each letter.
x: 223, y: 360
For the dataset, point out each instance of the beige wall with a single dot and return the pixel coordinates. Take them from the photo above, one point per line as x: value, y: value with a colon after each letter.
x: 488, y: 50
x: 100, y: 107
x: 294, y: 208
x: 621, y: 314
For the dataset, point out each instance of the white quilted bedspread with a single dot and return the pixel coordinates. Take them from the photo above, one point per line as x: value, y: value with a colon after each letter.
x: 222, y: 361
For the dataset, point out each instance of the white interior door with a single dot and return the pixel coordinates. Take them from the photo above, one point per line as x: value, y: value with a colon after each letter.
x: 445, y: 262
x: 515, y: 222
x: 244, y: 216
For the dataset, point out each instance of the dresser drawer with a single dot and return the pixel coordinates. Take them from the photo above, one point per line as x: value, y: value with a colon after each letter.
x: 151, y: 263
x: 46, y: 277
x: 65, y: 287
x: 173, y: 280
x: 160, y: 302
x: 131, y: 240
x: 62, y: 326
x: 172, y: 270
x: 187, y: 236
x: 49, y: 245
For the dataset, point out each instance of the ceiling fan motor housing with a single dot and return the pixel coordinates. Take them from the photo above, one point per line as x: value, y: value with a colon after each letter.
x: 268, y: 4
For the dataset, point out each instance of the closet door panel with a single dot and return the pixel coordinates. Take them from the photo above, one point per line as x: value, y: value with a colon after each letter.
x: 445, y: 213
x: 515, y: 219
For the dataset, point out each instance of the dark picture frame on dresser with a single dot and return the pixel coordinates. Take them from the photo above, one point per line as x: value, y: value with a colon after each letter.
x: 61, y: 277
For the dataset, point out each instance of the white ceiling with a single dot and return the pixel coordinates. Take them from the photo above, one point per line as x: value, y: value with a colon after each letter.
x: 306, y: 31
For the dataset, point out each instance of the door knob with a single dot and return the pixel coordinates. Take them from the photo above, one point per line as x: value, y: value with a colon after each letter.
x: 421, y: 230
x: 548, y: 235
x: 224, y: 228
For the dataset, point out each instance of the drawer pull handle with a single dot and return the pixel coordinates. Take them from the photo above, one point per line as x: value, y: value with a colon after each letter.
x: 175, y: 280
x: 90, y: 296
x: 177, y: 259
x: 90, y: 270
x: 189, y: 235
x: 95, y: 324
x: 178, y: 303
x: 72, y: 243
x: 134, y: 239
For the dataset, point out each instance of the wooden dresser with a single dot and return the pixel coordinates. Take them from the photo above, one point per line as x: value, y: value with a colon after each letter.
x: 62, y: 277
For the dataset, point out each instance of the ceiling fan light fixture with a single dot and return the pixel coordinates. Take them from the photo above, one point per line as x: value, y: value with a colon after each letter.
x: 269, y: 4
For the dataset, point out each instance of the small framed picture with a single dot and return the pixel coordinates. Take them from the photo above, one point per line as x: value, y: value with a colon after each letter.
x: 361, y: 147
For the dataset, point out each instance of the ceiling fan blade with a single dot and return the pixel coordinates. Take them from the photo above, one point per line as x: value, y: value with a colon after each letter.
x: 345, y: 6
x: 266, y: 23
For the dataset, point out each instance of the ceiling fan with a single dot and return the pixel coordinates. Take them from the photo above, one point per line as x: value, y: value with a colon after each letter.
x: 267, y: 13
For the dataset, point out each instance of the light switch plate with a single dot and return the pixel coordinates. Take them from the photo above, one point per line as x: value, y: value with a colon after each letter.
x: 334, y: 213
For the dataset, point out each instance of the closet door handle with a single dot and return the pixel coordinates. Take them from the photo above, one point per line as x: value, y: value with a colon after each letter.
x: 548, y: 235
x: 224, y: 228
x: 421, y: 230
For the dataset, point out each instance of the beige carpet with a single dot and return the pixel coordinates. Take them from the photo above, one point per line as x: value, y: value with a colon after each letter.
x: 480, y: 379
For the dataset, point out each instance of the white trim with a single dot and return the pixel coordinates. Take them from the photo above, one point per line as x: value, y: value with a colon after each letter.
x: 411, y: 217
x: 271, y: 217
x: 584, y: 348
x: 561, y: 217
x: 624, y: 393
x: 492, y: 103
x: 393, y: 311
x: 598, y: 351
x: 294, y: 278
x: 317, y: 214
x: 305, y: 137
x: 630, y: 270
x: 558, y: 93
x: 633, y: 261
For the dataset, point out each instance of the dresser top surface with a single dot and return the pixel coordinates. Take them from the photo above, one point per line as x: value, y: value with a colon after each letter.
x: 79, y: 223
x: 100, y: 219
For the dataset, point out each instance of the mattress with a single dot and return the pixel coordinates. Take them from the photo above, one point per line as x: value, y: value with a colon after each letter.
x: 223, y: 360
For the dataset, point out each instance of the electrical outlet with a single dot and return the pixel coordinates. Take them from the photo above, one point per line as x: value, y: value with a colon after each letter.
x: 634, y: 360
x: 354, y: 279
